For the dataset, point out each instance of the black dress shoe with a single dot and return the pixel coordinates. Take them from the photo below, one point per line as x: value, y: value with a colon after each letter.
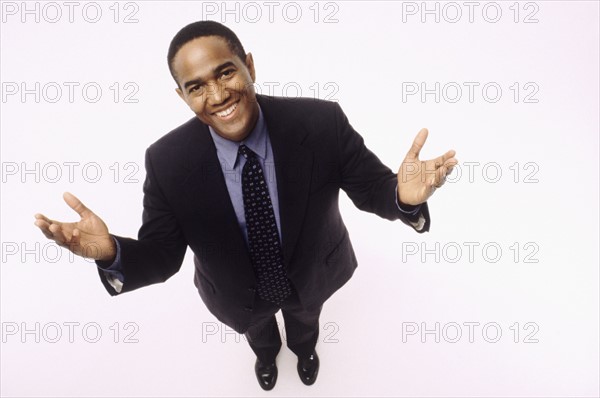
x: 265, y: 374
x: 308, y: 369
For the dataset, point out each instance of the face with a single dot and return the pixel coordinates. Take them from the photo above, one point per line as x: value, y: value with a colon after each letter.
x: 217, y: 86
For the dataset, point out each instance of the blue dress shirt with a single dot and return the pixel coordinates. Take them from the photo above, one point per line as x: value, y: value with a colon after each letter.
x: 232, y: 164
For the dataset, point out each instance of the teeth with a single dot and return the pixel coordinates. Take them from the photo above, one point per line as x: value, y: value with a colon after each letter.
x: 227, y: 111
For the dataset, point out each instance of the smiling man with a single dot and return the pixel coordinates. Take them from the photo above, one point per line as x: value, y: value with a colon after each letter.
x: 251, y: 185
x: 216, y: 83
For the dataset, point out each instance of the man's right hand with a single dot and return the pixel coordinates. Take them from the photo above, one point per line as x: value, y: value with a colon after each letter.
x: 88, y: 237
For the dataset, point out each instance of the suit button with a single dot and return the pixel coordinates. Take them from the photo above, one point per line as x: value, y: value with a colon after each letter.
x: 249, y: 309
x: 251, y: 289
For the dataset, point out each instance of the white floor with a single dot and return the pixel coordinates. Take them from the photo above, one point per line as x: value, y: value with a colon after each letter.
x: 181, y: 350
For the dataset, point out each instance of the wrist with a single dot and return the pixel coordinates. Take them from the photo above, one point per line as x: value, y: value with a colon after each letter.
x: 108, y: 252
x: 404, y: 205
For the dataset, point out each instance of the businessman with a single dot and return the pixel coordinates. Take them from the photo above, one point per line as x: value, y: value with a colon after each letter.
x: 251, y: 185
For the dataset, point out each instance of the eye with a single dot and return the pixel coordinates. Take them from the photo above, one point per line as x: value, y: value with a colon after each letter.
x: 227, y: 73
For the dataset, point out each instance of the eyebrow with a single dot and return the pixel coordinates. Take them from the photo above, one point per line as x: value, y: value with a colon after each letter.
x: 215, y: 71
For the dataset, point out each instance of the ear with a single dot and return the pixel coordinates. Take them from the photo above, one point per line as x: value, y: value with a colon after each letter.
x: 180, y: 93
x: 250, y: 66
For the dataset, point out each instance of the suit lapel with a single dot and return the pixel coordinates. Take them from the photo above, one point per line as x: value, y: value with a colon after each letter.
x: 205, y: 187
x: 293, y: 168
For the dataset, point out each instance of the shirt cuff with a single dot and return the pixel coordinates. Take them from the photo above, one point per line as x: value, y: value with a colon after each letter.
x: 114, y: 269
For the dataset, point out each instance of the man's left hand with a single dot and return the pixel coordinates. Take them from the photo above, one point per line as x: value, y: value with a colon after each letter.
x: 418, y: 179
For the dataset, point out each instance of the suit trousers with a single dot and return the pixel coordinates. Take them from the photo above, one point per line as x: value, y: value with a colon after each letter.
x: 301, y: 328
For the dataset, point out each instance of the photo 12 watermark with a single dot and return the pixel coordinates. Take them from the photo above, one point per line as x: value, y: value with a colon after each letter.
x: 54, y: 12
x: 53, y: 92
x: 469, y: 332
x: 70, y: 172
x: 219, y: 332
x: 69, y: 332
x: 452, y: 12
x: 472, y: 172
x: 470, y: 252
x: 453, y: 92
x: 271, y: 11
x: 47, y: 253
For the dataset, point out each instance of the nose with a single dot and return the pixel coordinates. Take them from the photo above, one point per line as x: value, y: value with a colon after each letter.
x: 217, y: 94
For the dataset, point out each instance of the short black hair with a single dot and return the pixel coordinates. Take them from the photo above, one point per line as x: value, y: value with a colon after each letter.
x: 202, y: 29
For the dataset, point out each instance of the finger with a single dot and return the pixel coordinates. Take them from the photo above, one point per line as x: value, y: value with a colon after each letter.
x: 440, y: 177
x: 43, y: 225
x: 76, y: 205
x: 419, y: 141
x: 442, y: 173
x: 39, y: 216
x: 441, y: 160
x: 449, y: 165
x: 75, y: 241
x: 58, y: 234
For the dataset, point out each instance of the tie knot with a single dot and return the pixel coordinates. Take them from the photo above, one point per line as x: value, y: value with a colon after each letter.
x: 246, y: 152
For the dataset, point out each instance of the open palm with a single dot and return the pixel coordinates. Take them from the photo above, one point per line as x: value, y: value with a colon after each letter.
x: 418, y: 179
x: 87, y: 237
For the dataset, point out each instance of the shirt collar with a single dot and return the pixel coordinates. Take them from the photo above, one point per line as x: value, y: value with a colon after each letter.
x: 256, y: 141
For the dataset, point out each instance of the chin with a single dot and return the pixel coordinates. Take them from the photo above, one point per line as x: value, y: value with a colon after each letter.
x: 232, y: 134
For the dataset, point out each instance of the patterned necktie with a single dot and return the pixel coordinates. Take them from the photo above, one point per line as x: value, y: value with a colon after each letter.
x: 263, y: 237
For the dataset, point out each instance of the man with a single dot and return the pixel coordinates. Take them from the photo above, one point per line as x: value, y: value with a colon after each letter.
x: 251, y: 185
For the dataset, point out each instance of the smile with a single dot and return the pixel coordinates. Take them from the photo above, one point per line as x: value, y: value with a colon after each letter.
x: 227, y: 112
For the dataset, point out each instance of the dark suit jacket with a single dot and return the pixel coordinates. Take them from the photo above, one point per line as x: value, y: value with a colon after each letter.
x: 186, y: 203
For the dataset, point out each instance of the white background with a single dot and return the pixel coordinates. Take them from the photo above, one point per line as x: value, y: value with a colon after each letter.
x: 369, y: 53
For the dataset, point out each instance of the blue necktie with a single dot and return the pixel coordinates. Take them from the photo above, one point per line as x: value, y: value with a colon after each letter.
x: 263, y: 237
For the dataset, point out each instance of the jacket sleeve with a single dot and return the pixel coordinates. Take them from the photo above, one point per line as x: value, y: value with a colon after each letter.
x: 369, y: 183
x: 158, y: 252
